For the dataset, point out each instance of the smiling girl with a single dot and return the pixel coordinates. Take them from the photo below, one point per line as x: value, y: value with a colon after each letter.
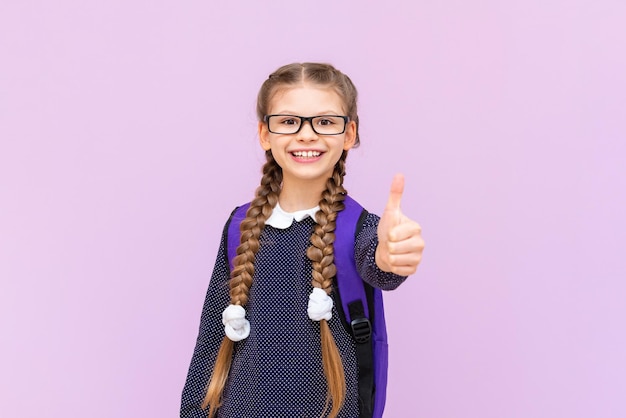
x: 264, y: 349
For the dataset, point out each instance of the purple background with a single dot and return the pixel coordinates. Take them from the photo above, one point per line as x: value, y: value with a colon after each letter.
x: 127, y: 134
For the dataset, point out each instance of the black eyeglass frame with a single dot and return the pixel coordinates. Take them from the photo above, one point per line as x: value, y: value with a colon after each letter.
x: 309, y: 119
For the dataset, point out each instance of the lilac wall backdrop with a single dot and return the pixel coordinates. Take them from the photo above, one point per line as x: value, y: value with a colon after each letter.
x: 127, y: 134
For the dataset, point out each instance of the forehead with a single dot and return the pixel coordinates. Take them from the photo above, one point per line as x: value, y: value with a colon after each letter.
x: 306, y: 100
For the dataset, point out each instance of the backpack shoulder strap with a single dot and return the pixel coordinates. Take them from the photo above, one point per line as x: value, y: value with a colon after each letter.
x: 234, y: 234
x: 362, y: 309
x: 349, y: 283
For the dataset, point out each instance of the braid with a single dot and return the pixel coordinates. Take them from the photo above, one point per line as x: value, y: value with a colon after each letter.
x: 243, y: 271
x: 321, y: 254
x: 259, y: 211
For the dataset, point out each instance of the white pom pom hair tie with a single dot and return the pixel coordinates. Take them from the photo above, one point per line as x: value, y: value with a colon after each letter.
x: 320, y: 305
x: 236, y: 326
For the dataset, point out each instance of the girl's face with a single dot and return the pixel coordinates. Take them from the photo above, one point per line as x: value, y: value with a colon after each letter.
x: 307, y: 158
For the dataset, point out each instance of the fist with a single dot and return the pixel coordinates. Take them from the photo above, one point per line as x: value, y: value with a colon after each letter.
x: 400, y: 243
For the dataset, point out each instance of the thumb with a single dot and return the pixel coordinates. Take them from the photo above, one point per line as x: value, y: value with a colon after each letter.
x: 395, y: 194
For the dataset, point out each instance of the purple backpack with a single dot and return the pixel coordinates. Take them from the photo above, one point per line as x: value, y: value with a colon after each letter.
x: 361, y: 305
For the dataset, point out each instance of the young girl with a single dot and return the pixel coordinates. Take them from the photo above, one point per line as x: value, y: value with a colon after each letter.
x: 271, y: 342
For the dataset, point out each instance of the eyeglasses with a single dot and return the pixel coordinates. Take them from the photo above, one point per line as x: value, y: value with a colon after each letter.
x: 321, y: 125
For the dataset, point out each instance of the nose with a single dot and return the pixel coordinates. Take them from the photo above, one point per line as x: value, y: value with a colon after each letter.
x: 306, y: 132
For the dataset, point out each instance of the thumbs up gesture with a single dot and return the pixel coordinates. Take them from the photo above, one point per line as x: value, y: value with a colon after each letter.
x: 400, y: 242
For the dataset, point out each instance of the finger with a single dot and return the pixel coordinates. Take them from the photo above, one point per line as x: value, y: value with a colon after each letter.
x: 405, y: 264
x: 404, y: 270
x: 405, y: 230
x: 413, y: 246
x: 395, y: 194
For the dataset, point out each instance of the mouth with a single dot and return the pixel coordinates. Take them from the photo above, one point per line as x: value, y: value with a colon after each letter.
x: 306, y: 154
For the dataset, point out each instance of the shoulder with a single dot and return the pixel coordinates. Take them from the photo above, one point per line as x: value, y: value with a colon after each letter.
x: 357, y: 213
x: 237, y: 215
x: 240, y: 210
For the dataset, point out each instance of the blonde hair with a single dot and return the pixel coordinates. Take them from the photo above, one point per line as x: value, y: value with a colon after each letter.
x: 321, y: 251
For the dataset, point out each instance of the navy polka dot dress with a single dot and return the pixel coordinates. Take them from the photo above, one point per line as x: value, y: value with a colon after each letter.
x: 277, y: 371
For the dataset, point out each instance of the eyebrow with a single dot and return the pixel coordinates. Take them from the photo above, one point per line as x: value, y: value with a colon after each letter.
x: 325, y: 112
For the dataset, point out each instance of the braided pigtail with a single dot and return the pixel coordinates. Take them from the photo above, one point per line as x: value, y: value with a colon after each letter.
x: 241, y: 277
x: 321, y: 254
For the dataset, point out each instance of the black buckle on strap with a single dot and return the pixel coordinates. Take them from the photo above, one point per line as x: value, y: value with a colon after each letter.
x: 362, y: 330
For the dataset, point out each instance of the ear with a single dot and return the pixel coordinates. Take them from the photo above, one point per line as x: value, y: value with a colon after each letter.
x: 264, y: 136
x: 350, y: 137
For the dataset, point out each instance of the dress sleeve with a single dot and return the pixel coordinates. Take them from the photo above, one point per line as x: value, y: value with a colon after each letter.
x: 209, y: 339
x: 365, y: 257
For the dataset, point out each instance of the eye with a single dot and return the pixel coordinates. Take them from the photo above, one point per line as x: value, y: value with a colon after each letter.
x: 324, y: 121
x: 289, y: 120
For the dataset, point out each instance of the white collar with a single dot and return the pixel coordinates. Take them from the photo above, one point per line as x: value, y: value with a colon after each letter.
x: 283, y: 220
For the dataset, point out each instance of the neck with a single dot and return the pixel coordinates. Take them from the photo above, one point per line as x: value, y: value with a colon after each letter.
x: 296, y: 196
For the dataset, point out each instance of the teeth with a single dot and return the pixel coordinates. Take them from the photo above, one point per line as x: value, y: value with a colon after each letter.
x: 306, y: 154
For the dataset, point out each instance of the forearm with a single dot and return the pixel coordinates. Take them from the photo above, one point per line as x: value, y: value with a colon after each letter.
x: 365, y: 256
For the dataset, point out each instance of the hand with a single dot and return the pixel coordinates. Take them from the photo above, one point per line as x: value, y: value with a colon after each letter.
x: 400, y: 242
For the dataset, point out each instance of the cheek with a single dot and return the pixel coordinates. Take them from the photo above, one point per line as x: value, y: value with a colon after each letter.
x: 279, y: 159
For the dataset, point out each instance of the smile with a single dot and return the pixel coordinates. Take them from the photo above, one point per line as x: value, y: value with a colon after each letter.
x: 306, y: 154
